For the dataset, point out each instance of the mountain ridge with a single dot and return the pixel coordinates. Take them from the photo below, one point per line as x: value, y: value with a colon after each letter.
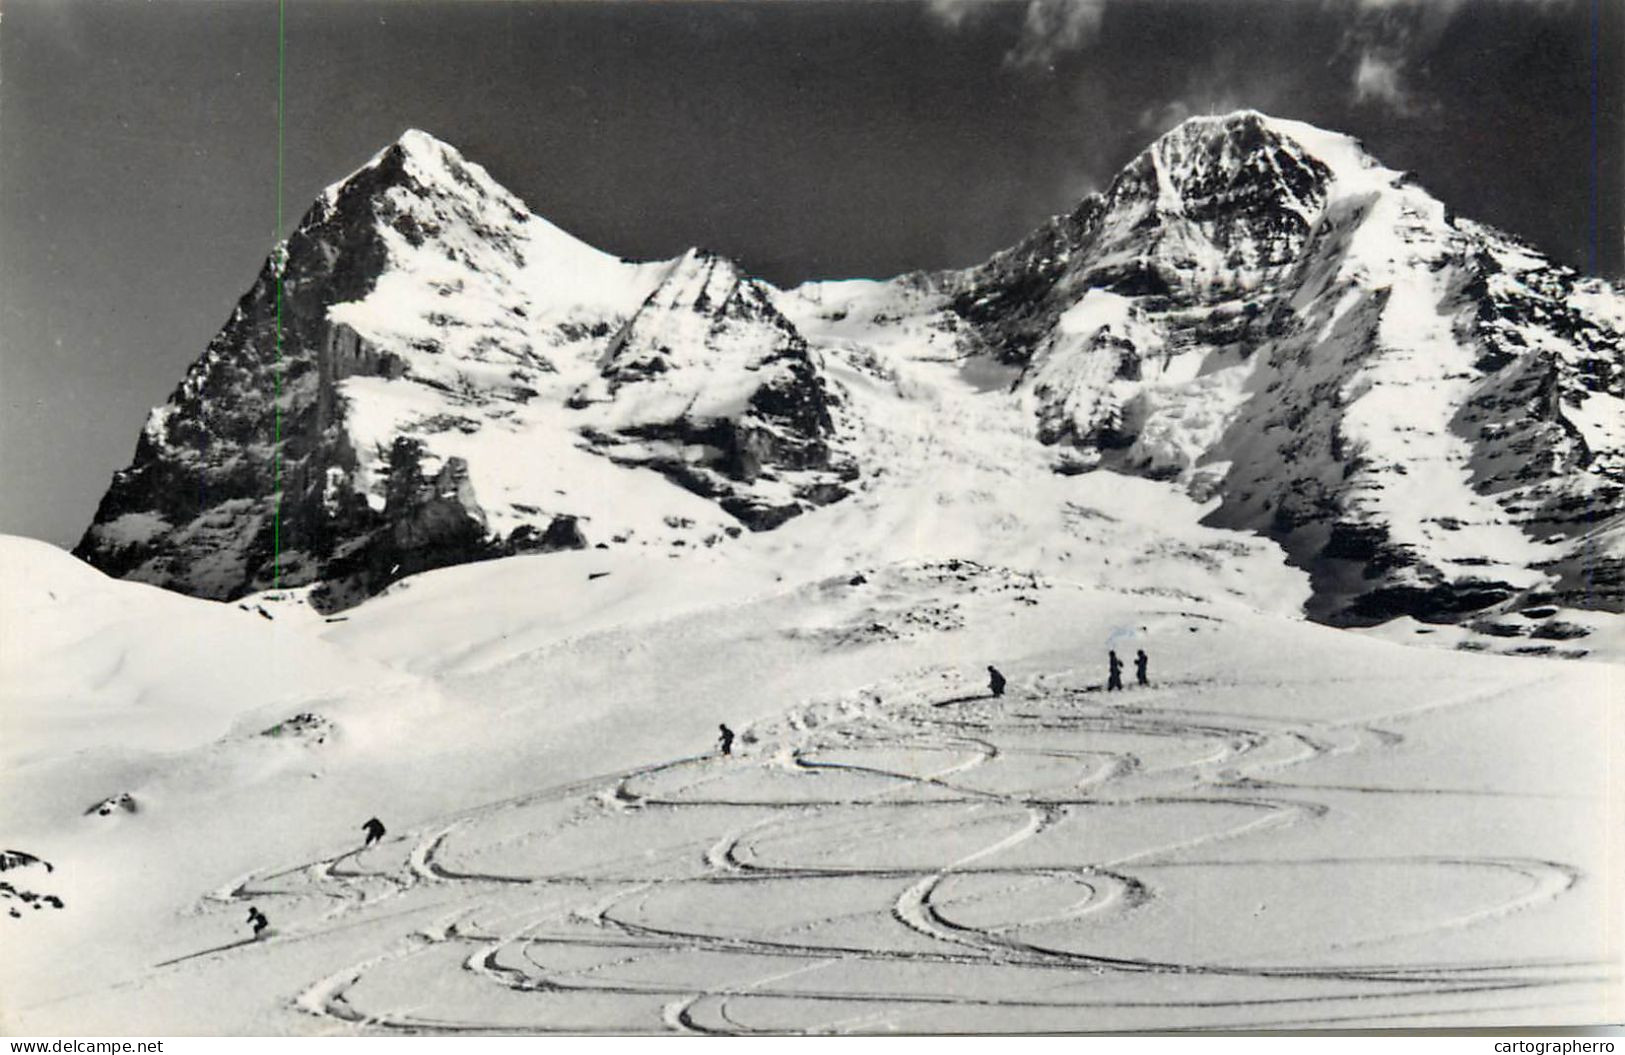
x: 1254, y: 310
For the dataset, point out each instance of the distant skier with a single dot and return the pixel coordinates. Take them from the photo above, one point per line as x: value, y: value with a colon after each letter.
x: 726, y: 740
x: 375, y: 831
x: 1140, y: 662
x: 1115, y: 682
x: 257, y: 920
x: 995, y: 680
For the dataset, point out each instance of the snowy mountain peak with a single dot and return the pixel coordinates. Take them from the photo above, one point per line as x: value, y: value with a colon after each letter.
x: 700, y: 279
x: 1211, y: 155
x: 712, y: 286
x: 417, y: 141
x: 1411, y: 403
x: 422, y: 161
x: 451, y: 373
x: 711, y: 384
x: 1234, y: 175
x: 1214, y: 210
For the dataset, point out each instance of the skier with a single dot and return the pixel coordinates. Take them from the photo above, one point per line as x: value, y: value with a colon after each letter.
x: 995, y: 680
x: 257, y: 920
x: 1115, y: 682
x: 374, y: 829
x: 1140, y: 661
x: 726, y: 740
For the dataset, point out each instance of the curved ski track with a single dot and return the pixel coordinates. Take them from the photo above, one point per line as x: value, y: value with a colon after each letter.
x: 870, y: 875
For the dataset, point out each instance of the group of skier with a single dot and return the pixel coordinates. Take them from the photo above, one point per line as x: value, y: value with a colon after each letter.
x: 996, y: 682
x: 373, y: 830
x: 1114, y: 677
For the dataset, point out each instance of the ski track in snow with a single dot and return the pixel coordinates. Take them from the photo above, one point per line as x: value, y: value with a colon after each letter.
x: 924, y: 869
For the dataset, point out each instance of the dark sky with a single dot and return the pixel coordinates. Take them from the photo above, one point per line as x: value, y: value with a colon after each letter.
x: 138, y: 145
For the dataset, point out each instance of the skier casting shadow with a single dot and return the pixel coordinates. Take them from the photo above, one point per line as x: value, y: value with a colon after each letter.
x: 1140, y: 662
x: 1115, y: 681
x: 375, y: 831
x: 995, y: 681
x: 257, y: 920
x: 726, y: 740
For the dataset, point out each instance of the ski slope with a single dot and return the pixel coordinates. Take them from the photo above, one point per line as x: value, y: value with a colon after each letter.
x: 1213, y: 852
x: 1035, y: 864
x: 1292, y: 826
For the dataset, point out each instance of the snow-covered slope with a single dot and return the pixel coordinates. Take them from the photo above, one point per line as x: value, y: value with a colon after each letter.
x: 1423, y: 412
x: 121, y: 703
x: 1291, y: 826
x: 108, y: 666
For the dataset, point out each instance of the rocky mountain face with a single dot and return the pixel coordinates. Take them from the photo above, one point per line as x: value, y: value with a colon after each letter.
x: 1423, y: 412
x: 709, y: 363
x: 448, y: 371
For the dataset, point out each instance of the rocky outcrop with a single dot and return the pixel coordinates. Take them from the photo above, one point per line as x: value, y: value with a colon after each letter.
x: 247, y: 477
x: 710, y: 384
x: 21, y: 868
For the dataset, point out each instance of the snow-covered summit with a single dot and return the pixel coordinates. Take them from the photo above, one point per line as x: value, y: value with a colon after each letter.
x: 431, y: 332
x: 427, y: 161
x: 1411, y: 403
x: 1252, y: 140
x: 1208, y: 165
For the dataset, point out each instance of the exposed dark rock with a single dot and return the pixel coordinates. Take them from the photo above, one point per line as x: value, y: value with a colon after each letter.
x: 786, y: 429
x: 562, y: 533
x: 1559, y: 630
x: 123, y: 802
x: 1440, y: 602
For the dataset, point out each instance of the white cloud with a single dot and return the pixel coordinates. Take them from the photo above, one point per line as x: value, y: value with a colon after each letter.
x: 1380, y: 79
x: 1049, y: 28
x: 1388, y: 40
x: 1385, y: 40
x: 954, y: 13
x: 1158, y: 119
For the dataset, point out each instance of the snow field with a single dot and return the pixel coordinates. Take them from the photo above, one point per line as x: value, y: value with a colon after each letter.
x: 1365, y: 835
